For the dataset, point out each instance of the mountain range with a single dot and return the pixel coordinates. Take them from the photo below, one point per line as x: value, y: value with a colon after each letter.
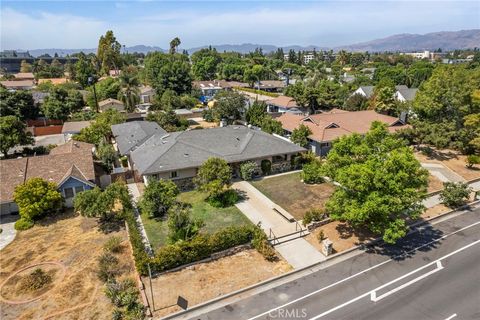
x: 446, y: 40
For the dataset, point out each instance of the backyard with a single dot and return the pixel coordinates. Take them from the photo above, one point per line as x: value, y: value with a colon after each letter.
x: 214, y: 218
x: 289, y: 192
x: 67, y: 248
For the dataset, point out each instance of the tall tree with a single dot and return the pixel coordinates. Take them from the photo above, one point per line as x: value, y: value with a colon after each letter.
x: 229, y: 106
x: 60, y: 103
x: 13, y: 133
x: 108, y: 52
x: 382, y: 183
x: 84, y: 69
x: 300, y: 135
x: 25, y: 66
x: 129, y: 94
x: 174, y: 45
x: 17, y: 103
x: 205, y: 63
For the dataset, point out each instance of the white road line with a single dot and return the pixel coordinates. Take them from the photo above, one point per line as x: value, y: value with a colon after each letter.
x: 395, y: 280
x: 360, y: 273
x: 452, y: 316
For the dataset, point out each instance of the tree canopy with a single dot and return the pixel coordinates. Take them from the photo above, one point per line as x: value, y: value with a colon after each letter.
x: 17, y: 103
x: 159, y: 196
x: 214, y: 177
x: 13, y: 133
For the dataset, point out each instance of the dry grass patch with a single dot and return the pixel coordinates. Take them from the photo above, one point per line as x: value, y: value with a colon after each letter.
x: 341, y: 234
x: 206, y: 281
x: 76, y: 242
x: 453, y: 160
x: 434, y: 184
x: 290, y: 193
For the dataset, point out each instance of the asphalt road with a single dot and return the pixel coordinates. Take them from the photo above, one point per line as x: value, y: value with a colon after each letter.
x: 431, y: 274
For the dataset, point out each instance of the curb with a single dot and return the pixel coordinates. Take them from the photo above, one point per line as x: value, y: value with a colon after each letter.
x: 332, y: 257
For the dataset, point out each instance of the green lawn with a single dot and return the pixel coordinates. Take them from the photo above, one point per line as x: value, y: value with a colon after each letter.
x: 214, y: 218
x: 290, y: 193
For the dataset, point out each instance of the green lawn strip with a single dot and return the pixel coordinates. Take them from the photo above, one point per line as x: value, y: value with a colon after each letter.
x: 214, y: 218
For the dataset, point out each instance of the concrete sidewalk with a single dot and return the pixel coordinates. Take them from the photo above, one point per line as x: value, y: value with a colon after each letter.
x: 258, y: 208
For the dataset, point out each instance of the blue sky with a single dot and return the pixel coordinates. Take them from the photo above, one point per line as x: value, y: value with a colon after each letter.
x: 78, y: 24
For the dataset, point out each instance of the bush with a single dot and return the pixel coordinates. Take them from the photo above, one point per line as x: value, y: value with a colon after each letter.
x: 107, y: 267
x: 23, y: 224
x: 247, y: 170
x: 455, y: 195
x: 313, y: 215
x: 266, y: 166
x: 35, y: 280
x: 312, y: 172
x: 261, y: 244
x: 230, y: 237
x: 113, y: 245
x: 124, y: 296
x: 320, y: 236
x: 225, y: 199
x: 472, y: 160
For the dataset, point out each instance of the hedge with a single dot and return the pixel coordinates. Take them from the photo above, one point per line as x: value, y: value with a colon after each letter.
x: 139, y: 251
x: 261, y: 92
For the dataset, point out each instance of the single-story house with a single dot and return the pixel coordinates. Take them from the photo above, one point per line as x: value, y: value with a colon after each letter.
x: 402, y: 92
x: 129, y: 135
x: 73, y: 127
x: 210, y: 88
x: 146, y: 94
x: 18, y: 84
x: 111, y: 104
x: 69, y: 165
x: 326, y: 127
x: 271, y: 85
x: 284, y: 104
x: 178, y: 155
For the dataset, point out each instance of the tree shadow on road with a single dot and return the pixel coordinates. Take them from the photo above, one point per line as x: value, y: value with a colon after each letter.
x: 422, y: 238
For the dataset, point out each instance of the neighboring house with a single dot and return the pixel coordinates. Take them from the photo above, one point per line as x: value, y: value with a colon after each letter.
x: 402, y: 92
x: 284, y: 104
x: 178, y: 155
x: 147, y: 94
x: 73, y: 127
x: 110, y: 103
x: 24, y: 76
x: 70, y: 166
x: 54, y: 81
x: 326, y: 127
x: 271, y: 85
x: 18, y: 84
x: 208, y: 89
x: 129, y: 135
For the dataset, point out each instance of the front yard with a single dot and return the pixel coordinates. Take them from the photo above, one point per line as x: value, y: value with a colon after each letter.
x: 214, y: 218
x: 70, y: 245
x: 289, y: 192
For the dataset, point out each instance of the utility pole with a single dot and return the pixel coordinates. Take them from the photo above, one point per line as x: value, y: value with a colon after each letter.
x: 92, y: 81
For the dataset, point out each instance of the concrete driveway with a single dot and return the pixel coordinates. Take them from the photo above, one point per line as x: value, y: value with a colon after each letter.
x: 7, y: 223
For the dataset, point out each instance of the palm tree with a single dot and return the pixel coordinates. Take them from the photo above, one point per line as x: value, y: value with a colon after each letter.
x: 129, y: 94
x: 174, y: 45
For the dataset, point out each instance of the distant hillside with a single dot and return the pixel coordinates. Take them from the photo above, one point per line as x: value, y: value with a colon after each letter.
x: 446, y: 40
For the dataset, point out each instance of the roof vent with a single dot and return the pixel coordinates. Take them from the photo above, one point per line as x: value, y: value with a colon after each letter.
x: 186, y: 155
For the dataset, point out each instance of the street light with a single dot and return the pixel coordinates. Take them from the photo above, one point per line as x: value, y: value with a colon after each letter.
x: 91, y: 81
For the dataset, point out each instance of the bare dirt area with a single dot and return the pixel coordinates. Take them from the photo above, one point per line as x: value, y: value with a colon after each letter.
x: 200, y: 123
x: 206, y: 281
x: 341, y: 234
x: 75, y: 292
x: 434, y: 184
x: 452, y: 160
x: 435, y: 211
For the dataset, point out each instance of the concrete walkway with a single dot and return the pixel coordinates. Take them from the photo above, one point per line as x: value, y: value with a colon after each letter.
x: 435, y: 199
x: 441, y: 172
x: 258, y: 208
x: 133, y: 189
x: 7, y: 223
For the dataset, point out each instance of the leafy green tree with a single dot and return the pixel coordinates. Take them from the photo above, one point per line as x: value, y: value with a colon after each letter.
x: 455, y: 194
x: 174, y: 45
x: 84, y: 69
x: 214, y: 177
x: 35, y: 198
x: 108, y: 52
x: 382, y: 183
x: 129, y: 94
x: 13, y: 133
x: 107, y: 155
x: 25, y: 66
x: 181, y: 226
x: 256, y: 113
x: 168, y: 120
x: 108, y: 88
x: 101, y: 129
x: 356, y: 102
x: 384, y: 100
x: 168, y: 71
x: 254, y: 74
x: 472, y: 160
x: 205, y: 63
x: 159, y: 196
x: 60, y: 103
x: 17, y: 103
x: 312, y: 172
x: 270, y: 125
x: 300, y: 135
x: 229, y: 106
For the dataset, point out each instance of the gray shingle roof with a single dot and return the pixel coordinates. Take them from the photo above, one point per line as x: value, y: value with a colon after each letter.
x: 368, y: 90
x: 130, y: 135
x: 406, y: 92
x: 189, y: 149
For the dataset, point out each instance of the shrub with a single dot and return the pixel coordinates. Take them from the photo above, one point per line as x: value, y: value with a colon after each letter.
x: 107, y: 267
x: 312, y: 172
x: 23, y: 224
x: 230, y: 237
x: 247, y: 170
x: 261, y: 244
x: 225, y: 199
x: 313, y: 215
x: 159, y: 196
x: 455, y: 195
x: 138, y: 247
x: 124, y: 296
x: 35, y: 280
x: 266, y: 166
x: 181, y: 226
x: 320, y: 236
x: 472, y: 160
x: 114, y: 244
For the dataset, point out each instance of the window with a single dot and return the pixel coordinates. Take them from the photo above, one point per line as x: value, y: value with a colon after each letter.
x: 68, y: 192
x: 277, y: 159
x: 173, y: 174
x: 78, y: 189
